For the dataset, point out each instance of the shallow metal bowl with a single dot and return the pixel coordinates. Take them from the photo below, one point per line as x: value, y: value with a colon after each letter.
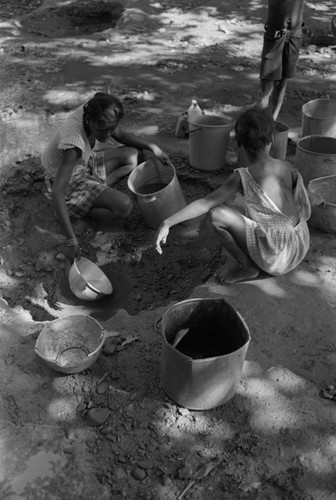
x: 87, y: 281
x: 71, y: 344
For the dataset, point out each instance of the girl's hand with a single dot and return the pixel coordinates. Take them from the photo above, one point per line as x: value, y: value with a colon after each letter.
x: 161, y: 237
x: 73, y: 252
x: 159, y: 154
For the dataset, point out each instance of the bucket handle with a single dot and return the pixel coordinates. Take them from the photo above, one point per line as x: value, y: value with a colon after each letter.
x: 149, y: 199
x: 194, y: 130
x: 157, y: 328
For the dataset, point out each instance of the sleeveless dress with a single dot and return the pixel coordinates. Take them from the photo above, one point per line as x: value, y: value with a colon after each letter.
x: 274, y: 243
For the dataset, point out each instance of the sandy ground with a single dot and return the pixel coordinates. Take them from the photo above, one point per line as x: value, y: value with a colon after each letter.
x: 111, y: 432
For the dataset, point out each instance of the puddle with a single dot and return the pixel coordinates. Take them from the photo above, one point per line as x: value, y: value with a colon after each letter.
x: 40, y: 467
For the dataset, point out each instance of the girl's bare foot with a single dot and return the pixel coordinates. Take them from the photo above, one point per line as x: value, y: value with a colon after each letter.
x: 238, y: 273
x: 231, y: 273
x: 225, y: 269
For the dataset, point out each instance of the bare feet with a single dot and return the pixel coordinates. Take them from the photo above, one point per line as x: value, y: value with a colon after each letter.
x: 233, y: 273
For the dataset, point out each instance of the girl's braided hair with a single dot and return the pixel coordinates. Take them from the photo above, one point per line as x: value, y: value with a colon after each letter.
x: 96, y: 106
x: 254, y: 129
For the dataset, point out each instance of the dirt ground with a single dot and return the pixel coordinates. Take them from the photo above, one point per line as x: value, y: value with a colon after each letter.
x: 111, y: 432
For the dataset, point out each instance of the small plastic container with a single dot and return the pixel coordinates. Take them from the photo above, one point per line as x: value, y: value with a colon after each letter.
x: 194, y: 112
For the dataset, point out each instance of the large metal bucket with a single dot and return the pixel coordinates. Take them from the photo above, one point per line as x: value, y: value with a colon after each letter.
x: 205, y: 342
x: 323, y: 216
x: 315, y: 157
x: 208, y: 142
x: 157, y: 191
x: 319, y: 118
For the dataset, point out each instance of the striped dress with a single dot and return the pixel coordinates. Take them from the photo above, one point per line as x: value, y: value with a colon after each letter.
x: 88, y: 179
x: 274, y: 244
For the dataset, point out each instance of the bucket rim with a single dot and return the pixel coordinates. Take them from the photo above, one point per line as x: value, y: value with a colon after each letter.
x: 211, y: 358
x: 206, y: 299
x: 148, y: 195
x: 277, y: 122
x: 308, y: 113
x: 109, y: 286
x: 317, y: 179
x: 319, y: 99
x: 197, y: 122
x: 322, y: 177
x: 316, y: 136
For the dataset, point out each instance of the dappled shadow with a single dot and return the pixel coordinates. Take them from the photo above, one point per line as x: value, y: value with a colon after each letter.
x: 260, y: 436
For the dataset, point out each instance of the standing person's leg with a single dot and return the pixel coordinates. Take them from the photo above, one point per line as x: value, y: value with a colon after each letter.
x: 229, y: 226
x: 271, y: 64
x: 265, y: 92
x: 278, y: 96
x: 290, y: 58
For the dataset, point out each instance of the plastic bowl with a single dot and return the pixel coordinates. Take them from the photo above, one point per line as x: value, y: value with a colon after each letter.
x: 71, y: 344
x: 87, y: 281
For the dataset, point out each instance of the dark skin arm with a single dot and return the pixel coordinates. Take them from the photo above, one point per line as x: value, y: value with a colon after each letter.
x: 61, y: 183
x: 226, y: 192
x: 128, y: 139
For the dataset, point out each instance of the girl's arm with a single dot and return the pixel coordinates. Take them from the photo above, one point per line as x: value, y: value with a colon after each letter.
x: 134, y: 141
x: 60, y: 185
x: 199, y: 207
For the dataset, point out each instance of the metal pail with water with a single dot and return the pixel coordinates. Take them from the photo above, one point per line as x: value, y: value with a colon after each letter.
x: 204, y: 345
x: 157, y: 190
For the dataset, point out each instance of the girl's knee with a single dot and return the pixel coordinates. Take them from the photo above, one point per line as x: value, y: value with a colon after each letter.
x: 125, y: 207
x: 132, y: 157
x: 216, y: 217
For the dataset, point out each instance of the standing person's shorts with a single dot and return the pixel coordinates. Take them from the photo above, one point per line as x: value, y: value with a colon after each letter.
x: 280, y: 53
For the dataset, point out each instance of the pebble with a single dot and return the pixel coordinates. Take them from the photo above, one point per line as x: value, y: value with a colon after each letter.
x: 111, y: 437
x: 60, y: 256
x: 102, y: 388
x: 145, y: 464
x: 185, y: 472
x: 166, y: 481
x: 19, y: 274
x: 139, y: 474
x: 107, y: 430
x: 98, y: 416
x: 81, y: 408
x: 109, y: 347
x: 183, y: 411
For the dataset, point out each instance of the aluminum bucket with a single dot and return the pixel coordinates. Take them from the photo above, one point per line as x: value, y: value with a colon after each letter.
x: 205, y: 342
x: 157, y: 191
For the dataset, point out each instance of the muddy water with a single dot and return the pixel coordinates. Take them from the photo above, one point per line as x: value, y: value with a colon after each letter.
x: 151, y: 188
x: 209, y: 339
